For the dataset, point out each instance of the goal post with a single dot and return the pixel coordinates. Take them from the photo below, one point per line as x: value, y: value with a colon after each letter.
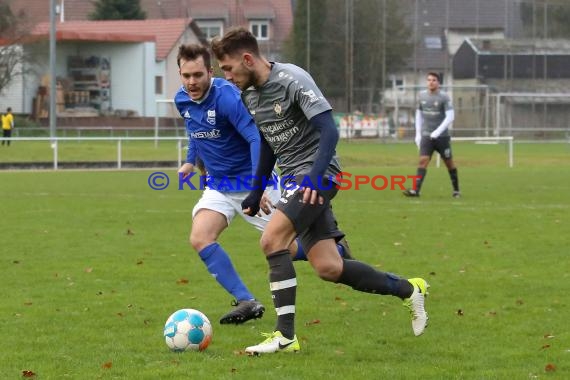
x: 532, y: 116
x: 166, y: 112
x: 488, y: 140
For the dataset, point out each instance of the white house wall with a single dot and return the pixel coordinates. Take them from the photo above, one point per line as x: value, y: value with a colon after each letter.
x: 14, y: 95
x: 11, y: 95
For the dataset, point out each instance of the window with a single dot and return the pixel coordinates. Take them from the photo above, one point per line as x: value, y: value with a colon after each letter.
x: 394, y: 81
x: 211, y: 29
x: 433, y: 42
x: 260, y: 29
x: 158, y: 85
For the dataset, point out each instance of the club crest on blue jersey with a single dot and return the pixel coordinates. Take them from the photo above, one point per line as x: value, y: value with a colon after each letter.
x: 211, y: 117
x: 278, y: 109
x: 186, y: 115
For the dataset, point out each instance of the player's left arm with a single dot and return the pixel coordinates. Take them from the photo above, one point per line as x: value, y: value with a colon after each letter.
x: 449, y: 117
x: 319, y: 113
x: 323, y: 122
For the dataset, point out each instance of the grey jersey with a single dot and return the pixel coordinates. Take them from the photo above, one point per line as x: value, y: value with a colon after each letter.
x: 433, y: 108
x: 281, y: 109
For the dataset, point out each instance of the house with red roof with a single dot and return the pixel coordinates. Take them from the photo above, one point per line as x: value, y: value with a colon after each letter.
x: 270, y: 20
x: 138, y: 56
x: 105, y: 67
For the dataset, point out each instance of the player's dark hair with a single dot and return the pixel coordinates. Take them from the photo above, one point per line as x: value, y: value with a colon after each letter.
x: 191, y: 52
x: 434, y: 74
x: 235, y: 41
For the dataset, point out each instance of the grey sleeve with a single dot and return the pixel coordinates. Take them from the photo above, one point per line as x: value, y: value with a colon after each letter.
x: 305, y: 92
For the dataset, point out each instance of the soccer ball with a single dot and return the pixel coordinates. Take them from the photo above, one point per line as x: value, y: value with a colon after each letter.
x: 188, y: 330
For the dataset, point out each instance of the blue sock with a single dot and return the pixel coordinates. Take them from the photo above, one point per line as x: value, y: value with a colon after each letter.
x: 300, y: 255
x: 221, y: 268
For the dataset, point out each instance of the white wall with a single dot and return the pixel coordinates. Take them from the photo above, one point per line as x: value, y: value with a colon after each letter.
x: 16, y: 95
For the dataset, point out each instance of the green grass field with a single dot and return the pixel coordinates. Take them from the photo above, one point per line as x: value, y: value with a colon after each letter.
x: 93, y: 262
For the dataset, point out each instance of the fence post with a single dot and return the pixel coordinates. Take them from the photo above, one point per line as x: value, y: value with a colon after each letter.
x: 54, y: 147
x: 119, y: 158
x: 179, y: 152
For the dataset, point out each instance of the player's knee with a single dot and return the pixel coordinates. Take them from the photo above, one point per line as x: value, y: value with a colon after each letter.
x: 199, y: 242
x: 329, y: 271
x: 424, y: 161
x: 268, y: 244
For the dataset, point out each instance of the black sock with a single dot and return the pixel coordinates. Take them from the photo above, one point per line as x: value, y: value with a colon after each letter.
x: 283, y: 285
x: 454, y: 179
x: 364, y: 278
x: 421, y: 173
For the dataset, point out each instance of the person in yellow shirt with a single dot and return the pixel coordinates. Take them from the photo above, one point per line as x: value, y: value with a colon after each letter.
x: 7, y: 126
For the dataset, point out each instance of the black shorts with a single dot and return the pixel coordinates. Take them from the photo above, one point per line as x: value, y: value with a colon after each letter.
x: 442, y: 145
x: 311, y: 222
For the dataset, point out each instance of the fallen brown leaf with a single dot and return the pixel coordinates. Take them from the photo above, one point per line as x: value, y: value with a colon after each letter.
x: 182, y: 281
x: 550, y: 367
x: 129, y: 232
x: 545, y: 346
x: 107, y: 365
x: 313, y: 322
x: 459, y: 312
x: 28, y: 373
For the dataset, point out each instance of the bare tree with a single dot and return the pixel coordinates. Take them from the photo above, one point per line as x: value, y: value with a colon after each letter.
x: 14, y: 33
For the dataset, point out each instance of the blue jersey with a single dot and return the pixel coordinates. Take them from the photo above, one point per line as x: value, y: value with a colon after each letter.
x: 222, y: 133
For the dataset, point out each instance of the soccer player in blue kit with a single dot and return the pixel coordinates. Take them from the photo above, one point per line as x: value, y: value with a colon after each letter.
x: 298, y: 132
x: 222, y: 133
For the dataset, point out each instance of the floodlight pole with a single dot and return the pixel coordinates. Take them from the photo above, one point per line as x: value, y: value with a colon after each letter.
x: 52, y: 82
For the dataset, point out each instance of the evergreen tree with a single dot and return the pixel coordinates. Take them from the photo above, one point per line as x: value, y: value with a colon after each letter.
x: 117, y: 10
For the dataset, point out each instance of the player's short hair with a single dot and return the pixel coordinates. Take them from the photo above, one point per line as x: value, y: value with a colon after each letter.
x: 434, y: 74
x: 191, y: 52
x: 235, y: 41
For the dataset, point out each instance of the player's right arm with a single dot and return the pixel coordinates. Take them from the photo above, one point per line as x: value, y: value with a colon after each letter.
x: 188, y: 166
x: 418, y: 125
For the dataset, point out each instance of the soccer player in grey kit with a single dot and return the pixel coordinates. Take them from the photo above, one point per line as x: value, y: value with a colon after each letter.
x: 433, y: 118
x: 298, y: 132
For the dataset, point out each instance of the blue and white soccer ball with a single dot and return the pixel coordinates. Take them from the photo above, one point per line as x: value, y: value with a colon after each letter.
x: 188, y: 330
